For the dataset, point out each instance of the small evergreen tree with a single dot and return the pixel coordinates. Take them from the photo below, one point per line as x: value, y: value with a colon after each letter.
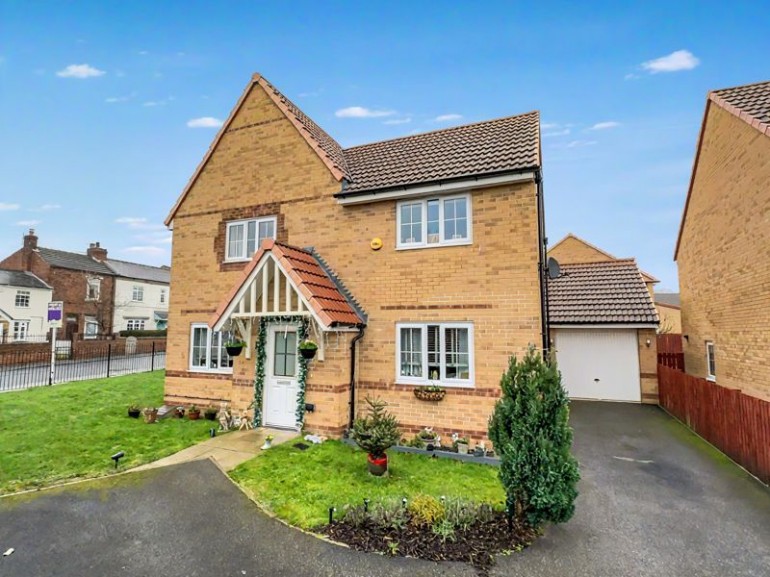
x: 378, y: 431
x: 530, y: 432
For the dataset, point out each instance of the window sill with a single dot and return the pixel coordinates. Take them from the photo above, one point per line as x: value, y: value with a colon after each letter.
x: 235, y: 260
x: 435, y: 245
x: 711, y: 378
x: 228, y: 371
x: 403, y: 383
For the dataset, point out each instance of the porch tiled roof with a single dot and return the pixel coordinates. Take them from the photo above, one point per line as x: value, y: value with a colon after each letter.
x: 611, y: 292
x: 319, y: 290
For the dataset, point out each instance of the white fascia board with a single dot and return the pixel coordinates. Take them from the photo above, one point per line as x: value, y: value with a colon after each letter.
x: 440, y: 188
x: 605, y: 326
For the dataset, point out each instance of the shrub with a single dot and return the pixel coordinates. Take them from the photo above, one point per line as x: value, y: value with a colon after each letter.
x: 356, y: 515
x: 425, y: 510
x: 145, y: 333
x: 445, y: 530
x: 530, y: 432
x: 389, y: 514
x: 461, y: 514
x: 376, y: 432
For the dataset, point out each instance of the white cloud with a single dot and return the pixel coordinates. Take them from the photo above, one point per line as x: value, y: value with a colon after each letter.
x: 398, y: 121
x: 361, y: 112
x: 138, y: 223
x: 46, y: 207
x: 674, y: 62
x: 204, y: 122
x: 548, y: 125
x: 28, y: 222
x: 605, y: 125
x: 9, y: 206
x: 114, y: 99
x: 145, y: 250
x: 80, y: 71
x: 563, y: 132
x: 447, y: 117
x: 580, y: 143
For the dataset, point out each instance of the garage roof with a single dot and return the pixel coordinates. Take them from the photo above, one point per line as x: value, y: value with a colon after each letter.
x: 611, y: 292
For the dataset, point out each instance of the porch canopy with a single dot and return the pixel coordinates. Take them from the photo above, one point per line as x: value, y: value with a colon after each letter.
x: 283, y: 280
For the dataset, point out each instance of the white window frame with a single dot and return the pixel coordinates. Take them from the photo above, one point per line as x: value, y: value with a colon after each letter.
x: 93, y: 322
x: 208, y: 368
x: 441, y: 242
x: 162, y: 296
x: 20, y: 331
x: 710, y: 358
x: 243, y: 256
x: 137, y: 290
x: 442, y: 380
x: 97, y: 284
x: 131, y: 322
x: 25, y: 297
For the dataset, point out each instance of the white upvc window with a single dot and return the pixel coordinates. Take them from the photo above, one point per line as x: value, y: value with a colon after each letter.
x: 207, y: 350
x: 134, y: 324
x: 442, y: 221
x: 711, y: 364
x: 440, y: 353
x: 137, y: 293
x: 20, y: 330
x: 245, y: 236
x: 91, y: 328
x: 93, y: 288
x: 22, y: 299
x: 162, y: 296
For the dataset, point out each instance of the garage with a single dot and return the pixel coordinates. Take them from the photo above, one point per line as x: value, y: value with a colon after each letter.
x: 602, y: 321
x: 600, y: 364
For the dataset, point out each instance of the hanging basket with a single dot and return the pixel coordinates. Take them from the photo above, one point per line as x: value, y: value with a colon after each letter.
x: 308, y: 354
x: 426, y: 395
x: 234, y: 351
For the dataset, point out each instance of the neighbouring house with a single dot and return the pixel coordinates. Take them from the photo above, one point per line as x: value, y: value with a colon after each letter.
x: 669, y: 311
x: 411, y: 262
x: 101, y: 296
x: 723, y: 249
x: 603, y: 324
x: 24, y: 302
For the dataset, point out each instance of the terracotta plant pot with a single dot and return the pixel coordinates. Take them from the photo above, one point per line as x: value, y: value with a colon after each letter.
x: 193, y: 415
x: 234, y: 351
x: 377, y: 466
x: 308, y: 354
x: 134, y: 413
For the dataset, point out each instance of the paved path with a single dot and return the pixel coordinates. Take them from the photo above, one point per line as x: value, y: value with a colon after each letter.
x: 655, y: 501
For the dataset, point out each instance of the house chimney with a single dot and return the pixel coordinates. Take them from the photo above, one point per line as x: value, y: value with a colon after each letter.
x: 30, y: 240
x: 96, y: 252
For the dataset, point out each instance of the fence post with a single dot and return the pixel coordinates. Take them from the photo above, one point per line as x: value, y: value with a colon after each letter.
x: 152, y: 358
x: 109, y: 358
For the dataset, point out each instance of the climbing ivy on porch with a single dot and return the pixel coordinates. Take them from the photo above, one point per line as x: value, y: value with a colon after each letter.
x: 259, y: 379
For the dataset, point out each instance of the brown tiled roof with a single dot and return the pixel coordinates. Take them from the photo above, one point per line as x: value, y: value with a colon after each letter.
x: 319, y: 290
x: 750, y: 102
x: 485, y: 148
x: 611, y: 292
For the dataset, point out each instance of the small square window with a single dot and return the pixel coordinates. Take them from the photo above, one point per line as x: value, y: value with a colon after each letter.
x: 137, y: 295
x: 22, y: 299
x: 93, y: 288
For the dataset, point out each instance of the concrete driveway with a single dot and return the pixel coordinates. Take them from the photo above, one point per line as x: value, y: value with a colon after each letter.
x: 654, y: 500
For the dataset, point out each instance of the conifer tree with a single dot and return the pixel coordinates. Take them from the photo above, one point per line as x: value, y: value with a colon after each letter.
x: 530, y: 432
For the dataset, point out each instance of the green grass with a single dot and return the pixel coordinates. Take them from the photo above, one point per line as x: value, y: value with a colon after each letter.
x: 300, y: 486
x: 54, y: 434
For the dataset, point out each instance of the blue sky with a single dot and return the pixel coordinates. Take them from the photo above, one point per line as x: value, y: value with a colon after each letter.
x: 96, y: 99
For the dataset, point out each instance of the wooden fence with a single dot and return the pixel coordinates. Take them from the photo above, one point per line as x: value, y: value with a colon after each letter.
x: 736, y: 424
x: 670, y: 351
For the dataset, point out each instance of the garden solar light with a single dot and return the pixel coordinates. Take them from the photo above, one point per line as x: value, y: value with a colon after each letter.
x: 331, y: 514
x: 403, y: 501
x: 366, y: 505
x: 117, y: 457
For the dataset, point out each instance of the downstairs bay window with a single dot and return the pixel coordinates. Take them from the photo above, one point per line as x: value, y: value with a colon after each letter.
x: 434, y: 353
x: 207, y: 350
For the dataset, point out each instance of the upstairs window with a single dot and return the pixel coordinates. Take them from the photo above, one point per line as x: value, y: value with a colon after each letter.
x: 434, y: 352
x: 93, y: 288
x: 245, y: 236
x: 22, y: 299
x: 137, y: 294
x: 162, y: 296
x: 711, y: 364
x: 442, y: 221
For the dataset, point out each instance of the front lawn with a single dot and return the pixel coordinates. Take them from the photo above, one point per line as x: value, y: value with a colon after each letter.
x: 52, y: 434
x: 300, y: 486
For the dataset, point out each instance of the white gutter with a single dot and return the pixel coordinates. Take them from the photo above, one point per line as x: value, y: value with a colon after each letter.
x: 440, y: 188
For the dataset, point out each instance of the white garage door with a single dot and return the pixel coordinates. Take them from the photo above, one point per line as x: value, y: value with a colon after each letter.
x: 599, y: 363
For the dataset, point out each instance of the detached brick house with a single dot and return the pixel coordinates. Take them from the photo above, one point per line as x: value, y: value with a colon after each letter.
x: 723, y: 249
x: 410, y: 261
x: 100, y: 295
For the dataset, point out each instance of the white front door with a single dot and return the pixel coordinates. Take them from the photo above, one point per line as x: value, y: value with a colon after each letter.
x: 281, y: 386
x: 599, y: 364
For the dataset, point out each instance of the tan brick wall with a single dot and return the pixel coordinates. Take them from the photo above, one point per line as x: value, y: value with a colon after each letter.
x: 648, y: 365
x: 724, y: 255
x: 573, y: 250
x: 670, y: 318
x: 493, y: 282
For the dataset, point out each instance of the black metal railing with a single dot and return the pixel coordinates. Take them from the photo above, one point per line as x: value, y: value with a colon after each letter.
x: 30, y: 364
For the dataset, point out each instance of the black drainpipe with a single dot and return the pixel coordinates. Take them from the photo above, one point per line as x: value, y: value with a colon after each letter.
x: 358, y: 337
x: 542, y: 264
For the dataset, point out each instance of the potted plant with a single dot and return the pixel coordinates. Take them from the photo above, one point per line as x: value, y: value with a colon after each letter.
x: 150, y: 414
x: 430, y: 393
x: 268, y: 442
x: 431, y: 439
x: 193, y: 413
x: 179, y: 412
x: 234, y: 347
x: 480, y: 450
x: 375, y: 434
x: 210, y: 413
x: 134, y: 411
x: 308, y: 349
x: 460, y: 444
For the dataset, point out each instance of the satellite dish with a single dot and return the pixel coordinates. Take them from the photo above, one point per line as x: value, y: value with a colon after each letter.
x: 554, y: 270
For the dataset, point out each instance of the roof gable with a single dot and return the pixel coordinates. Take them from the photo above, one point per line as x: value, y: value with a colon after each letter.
x: 573, y: 249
